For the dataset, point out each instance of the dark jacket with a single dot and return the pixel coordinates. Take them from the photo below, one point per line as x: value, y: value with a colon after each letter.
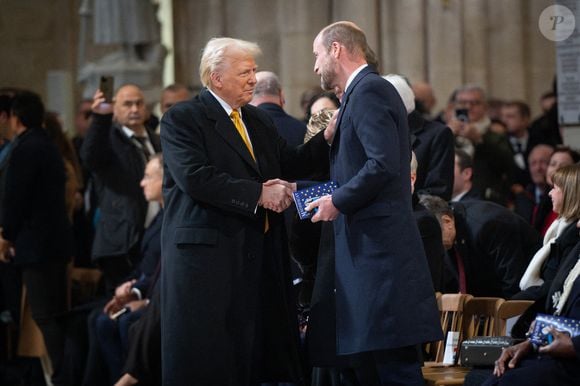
x: 433, y: 144
x: 34, y: 217
x: 118, y: 165
x: 289, y: 128
x: 496, y: 246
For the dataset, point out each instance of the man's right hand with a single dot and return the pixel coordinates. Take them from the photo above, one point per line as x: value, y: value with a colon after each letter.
x: 511, y: 356
x: 276, y: 197
x: 99, y: 105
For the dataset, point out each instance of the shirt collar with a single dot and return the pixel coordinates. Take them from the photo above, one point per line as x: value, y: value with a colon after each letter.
x: 224, y: 104
x: 353, y: 75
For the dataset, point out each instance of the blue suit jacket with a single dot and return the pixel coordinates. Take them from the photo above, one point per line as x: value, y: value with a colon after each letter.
x: 384, y: 293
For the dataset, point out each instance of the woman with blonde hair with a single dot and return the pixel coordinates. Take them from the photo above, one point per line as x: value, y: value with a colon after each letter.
x: 560, y: 237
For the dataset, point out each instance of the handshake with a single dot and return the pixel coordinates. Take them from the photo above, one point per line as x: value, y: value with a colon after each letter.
x: 277, y: 194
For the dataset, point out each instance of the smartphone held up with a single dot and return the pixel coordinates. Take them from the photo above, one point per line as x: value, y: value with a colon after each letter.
x: 106, y: 85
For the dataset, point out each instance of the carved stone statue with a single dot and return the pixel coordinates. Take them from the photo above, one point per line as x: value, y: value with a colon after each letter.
x: 130, y: 25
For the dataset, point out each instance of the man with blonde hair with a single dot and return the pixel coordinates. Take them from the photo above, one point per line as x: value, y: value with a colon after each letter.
x: 228, y: 317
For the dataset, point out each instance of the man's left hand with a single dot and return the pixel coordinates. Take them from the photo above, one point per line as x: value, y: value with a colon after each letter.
x: 326, y: 210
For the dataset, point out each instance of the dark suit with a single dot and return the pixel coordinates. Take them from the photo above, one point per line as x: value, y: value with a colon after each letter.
x: 228, y: 317
x: 433, y: 144
x: 495, y: 245
x: 380, y: 267
x: 34, y: 219
x: 289, y: 128
x: 118, y: 164
x: 430, y: 232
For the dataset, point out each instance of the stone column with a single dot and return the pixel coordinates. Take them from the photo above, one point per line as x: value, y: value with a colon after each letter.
x: 444, y: 48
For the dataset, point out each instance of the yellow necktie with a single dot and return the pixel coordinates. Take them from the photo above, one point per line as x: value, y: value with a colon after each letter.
x: 240, y: 128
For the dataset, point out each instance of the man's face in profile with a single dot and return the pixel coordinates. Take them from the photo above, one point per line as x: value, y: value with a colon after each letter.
x: 324, y: 65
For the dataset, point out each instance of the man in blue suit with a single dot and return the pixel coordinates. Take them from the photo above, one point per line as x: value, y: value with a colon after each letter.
x: 385, y: 303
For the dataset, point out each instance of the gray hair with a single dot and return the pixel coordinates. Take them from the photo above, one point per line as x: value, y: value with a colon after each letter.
x: 436, y: 205
x: 217, y: 50
x: 414, y: 163
x: 267, y: 84
x: 470, y: 87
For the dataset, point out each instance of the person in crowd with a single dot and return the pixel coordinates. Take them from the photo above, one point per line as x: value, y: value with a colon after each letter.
x: 172, y: 94
x: 116, y: 150
x: 430, y: 232
x: 432, y: 144
x: 376, y: 332
x: 132, y: 297
x: 546, y: 127
x: 35, y: 230
x: 223, y: 192
x: 74, y: 178
x: 557, y: 363
x: 492, y: 158
x: 560, y: 237
x: 547, y: 100
x: 425, y: 99
x: 305, y: 99
x: 268, y: 96
x: 516, y: 117
x: 10, y: 283
x: 462, y: 173
x: 324, y: 100
x: 562, y: 156
x: 528, y: 202
x: 488, y: 246
x: 84, y: 218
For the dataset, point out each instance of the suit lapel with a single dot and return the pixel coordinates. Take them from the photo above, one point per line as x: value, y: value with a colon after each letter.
x: 226, y: 129
x: 344, y: 101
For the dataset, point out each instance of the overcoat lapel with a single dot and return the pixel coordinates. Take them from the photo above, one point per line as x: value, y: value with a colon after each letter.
x: 226, y: 129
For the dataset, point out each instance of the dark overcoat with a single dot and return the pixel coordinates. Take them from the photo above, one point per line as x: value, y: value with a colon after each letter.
x: 228, y: 317
x: 384, y: 293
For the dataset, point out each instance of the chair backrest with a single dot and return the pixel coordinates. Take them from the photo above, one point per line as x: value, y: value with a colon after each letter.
x: 479, y: 316
x: 451, y: 314
x: 507, y: 310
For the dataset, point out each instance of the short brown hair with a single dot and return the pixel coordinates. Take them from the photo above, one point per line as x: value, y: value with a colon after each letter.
x: 567, y: 178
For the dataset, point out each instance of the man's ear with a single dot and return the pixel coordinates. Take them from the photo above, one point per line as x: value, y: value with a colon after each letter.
x: 335, y: 49
x: 468, y: 172
x: 216, y: 79
x: 447, y: 220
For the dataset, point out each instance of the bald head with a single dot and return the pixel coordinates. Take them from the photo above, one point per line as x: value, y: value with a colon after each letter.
x: 424, y: 94
x: 268, y: 89
x: 129, y: 108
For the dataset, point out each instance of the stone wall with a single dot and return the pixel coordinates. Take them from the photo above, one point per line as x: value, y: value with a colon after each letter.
x: 447, y: 42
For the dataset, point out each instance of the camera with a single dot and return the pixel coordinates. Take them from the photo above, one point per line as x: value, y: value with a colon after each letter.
x: 462, y: 115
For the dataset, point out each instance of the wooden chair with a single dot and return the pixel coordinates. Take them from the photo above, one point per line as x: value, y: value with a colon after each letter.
x: 451, y: 317
x: 479, y: 319
x: 507, y: 310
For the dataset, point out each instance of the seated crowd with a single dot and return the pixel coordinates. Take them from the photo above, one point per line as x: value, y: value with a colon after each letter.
x: 496, y: 199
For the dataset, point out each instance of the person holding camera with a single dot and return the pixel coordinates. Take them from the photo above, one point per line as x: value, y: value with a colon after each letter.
x: 116, y: 149
x: 493, y: 164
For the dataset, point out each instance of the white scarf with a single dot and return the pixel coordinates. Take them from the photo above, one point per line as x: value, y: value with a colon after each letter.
x: 532, y: 277
x: 568, y: 283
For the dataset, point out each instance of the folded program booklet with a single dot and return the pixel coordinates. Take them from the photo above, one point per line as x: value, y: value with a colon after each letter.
x: 541, y: 335
x: 303, y: 197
